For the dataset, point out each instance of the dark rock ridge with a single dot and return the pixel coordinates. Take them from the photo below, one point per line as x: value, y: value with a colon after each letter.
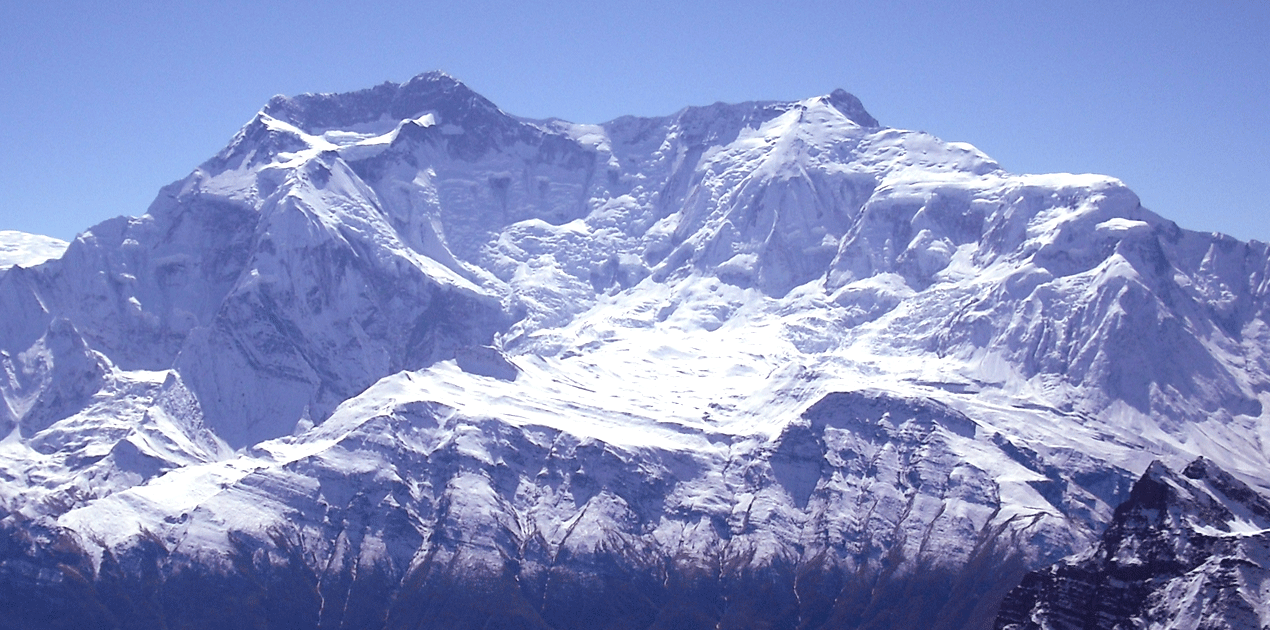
x: 1185, y: 551
x: 477, y: 568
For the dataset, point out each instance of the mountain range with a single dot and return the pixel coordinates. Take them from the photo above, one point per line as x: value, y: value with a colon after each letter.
x: 396, y: 358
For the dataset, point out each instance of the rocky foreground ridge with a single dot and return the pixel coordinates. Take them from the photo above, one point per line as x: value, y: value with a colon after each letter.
x: 1184, y: 551
x: 398, y: 359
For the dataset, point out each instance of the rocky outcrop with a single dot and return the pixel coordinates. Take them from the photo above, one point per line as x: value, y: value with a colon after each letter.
x: 1185, y: 551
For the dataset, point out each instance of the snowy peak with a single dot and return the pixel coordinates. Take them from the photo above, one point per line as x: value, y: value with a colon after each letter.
x: 773, y: 196
x: 908, y: 243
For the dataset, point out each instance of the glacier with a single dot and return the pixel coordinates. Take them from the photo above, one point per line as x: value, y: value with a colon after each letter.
x: 398, y: 359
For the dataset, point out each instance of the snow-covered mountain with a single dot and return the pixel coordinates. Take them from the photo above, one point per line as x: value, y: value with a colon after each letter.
x: 396, y: 358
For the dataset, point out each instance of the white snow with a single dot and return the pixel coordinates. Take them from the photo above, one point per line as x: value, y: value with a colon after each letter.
x: 21, y: 248
x: 681, y: 308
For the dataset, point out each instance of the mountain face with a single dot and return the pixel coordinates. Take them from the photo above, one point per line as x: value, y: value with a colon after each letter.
x: 398, y: 359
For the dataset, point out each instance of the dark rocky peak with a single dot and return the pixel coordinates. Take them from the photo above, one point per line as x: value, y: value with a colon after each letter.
x: 450, y: 100
x: 852, y: 108
x: 1152, y: 491
x: 1174, y: 533
x: 1163, y: 500
x: 1203, y: 496
x: 316, y: 112
x: 1241, y: 499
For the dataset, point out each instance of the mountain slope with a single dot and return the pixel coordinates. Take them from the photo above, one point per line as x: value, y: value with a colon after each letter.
x: 766, y: 364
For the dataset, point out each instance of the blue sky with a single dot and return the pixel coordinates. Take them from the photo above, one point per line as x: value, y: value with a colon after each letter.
x: 103, y: 104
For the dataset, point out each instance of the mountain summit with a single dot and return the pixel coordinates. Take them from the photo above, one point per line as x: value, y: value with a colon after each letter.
x: 434, y: 92
x: 398, y: 359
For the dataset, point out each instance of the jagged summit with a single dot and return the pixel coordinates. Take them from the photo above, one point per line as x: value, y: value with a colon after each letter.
x: 450, y: 99
x: 1184, y: 551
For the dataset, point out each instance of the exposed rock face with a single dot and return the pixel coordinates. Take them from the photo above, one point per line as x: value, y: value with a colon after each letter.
x: 1185, y: 551
x: 398, y: 359
x: 863, y: 501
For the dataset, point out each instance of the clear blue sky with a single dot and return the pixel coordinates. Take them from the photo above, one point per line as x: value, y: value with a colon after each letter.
x: 103, y: 103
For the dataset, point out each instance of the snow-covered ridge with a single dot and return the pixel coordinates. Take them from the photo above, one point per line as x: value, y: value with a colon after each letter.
x: 398, y: 346
x: 20, y: 248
